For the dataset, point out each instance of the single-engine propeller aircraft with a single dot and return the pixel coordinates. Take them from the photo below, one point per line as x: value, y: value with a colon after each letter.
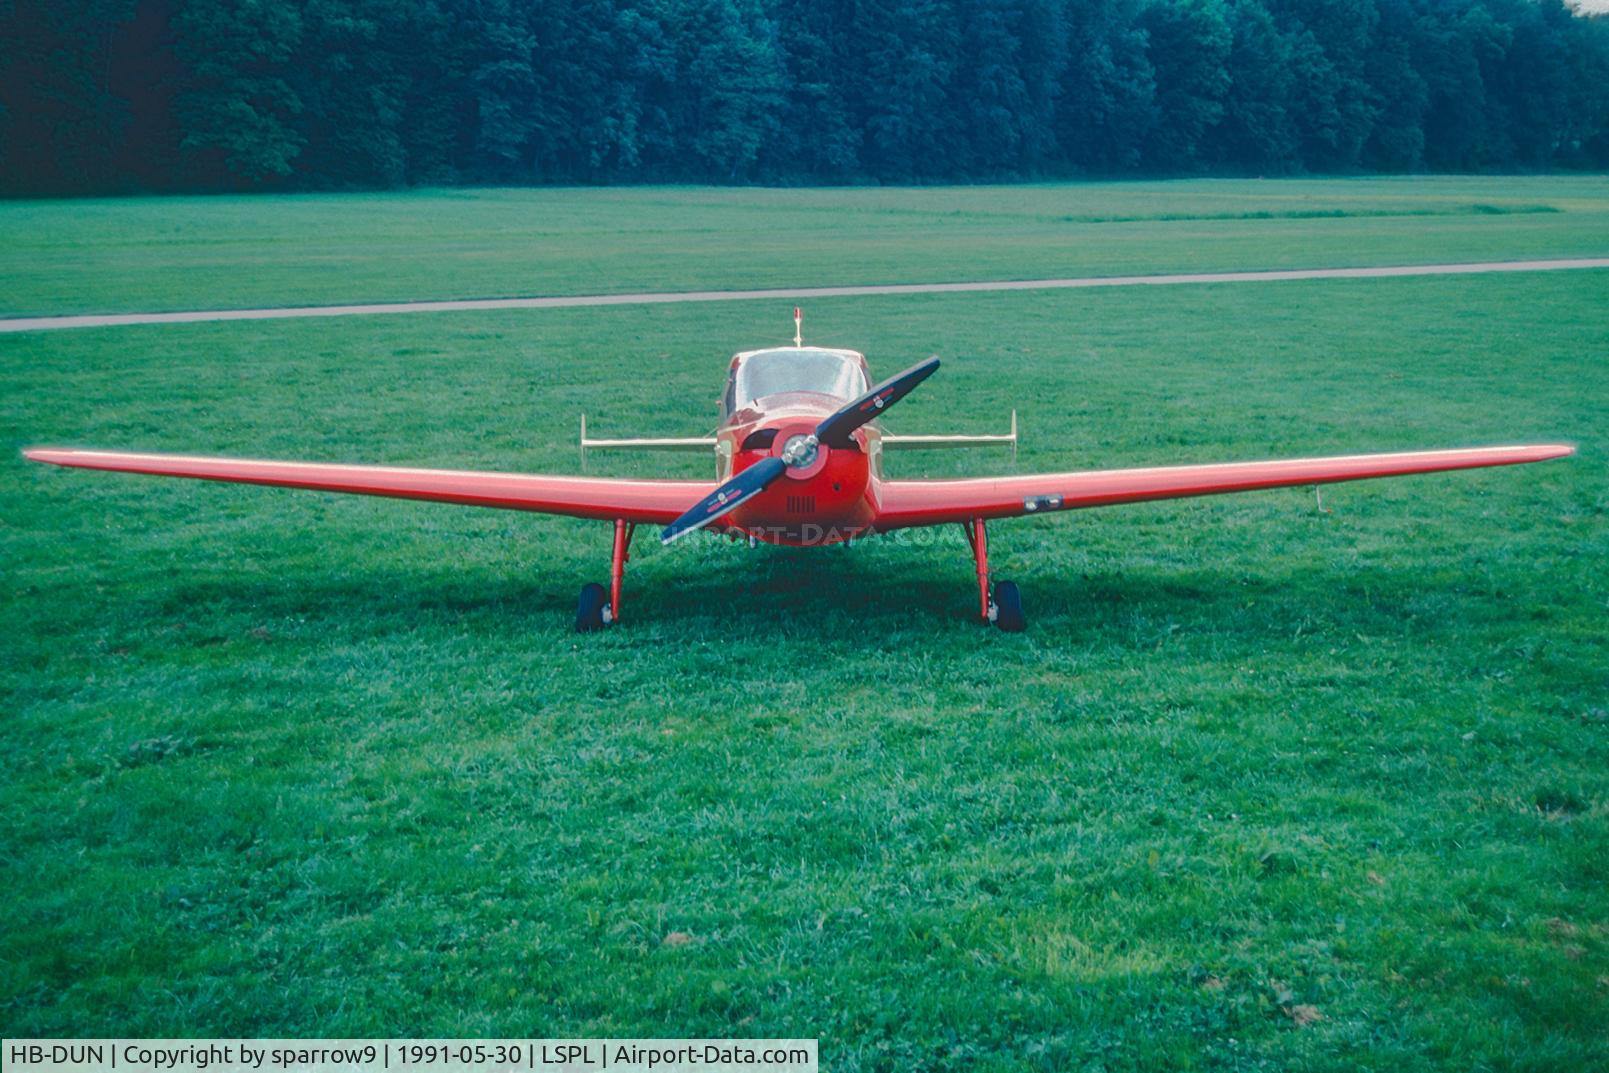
x: 799, y: 461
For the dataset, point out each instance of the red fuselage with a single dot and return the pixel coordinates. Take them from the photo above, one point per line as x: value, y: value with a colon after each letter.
x: 829, y: 501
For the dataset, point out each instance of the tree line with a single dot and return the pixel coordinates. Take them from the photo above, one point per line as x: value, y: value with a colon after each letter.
x: 116, y: 95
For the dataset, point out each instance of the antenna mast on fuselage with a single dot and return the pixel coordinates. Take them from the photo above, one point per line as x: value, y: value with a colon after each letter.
x: 798, y: 326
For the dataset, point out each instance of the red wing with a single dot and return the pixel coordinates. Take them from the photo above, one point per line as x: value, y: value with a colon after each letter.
x: 907, y: 503
x: 656, y: 502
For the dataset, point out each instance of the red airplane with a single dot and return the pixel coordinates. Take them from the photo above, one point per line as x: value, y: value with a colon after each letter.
x: 799, y: 461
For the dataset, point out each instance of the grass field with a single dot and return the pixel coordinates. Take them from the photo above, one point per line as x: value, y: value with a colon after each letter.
x: 187, y: 253
x: 1262, y: 786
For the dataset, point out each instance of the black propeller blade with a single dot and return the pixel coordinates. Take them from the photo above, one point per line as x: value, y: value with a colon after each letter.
x: 834, y: 432
x: 735, y: 492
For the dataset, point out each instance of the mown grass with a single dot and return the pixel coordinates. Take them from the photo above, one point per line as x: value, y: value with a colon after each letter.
x: 283, y: 763
x: 89, y: 256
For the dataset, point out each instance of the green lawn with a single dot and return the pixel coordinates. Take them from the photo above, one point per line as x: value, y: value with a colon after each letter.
x: 280, y: 763
x: 217, y: 252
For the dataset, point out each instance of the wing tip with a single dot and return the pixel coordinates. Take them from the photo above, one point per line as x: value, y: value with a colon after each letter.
x: 1542, y: 452
x: 73, y: 456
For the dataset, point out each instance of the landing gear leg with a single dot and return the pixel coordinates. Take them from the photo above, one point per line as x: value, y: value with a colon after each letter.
x: 617, y: 567
x: 596, y: 608
x: 978, y: 537
x: 1003, y: 606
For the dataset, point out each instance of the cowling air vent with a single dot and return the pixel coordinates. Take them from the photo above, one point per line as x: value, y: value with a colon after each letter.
x: 760, y: 440
x: 801, y: 504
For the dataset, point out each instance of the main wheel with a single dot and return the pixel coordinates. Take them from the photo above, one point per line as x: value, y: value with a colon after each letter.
x: 1008, y: 607
x: 589, y: 608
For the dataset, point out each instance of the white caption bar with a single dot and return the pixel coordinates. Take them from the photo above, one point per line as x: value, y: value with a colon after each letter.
x: 407, y: 1055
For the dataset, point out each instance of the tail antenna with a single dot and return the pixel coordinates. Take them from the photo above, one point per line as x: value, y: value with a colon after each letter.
x: 798, y: 326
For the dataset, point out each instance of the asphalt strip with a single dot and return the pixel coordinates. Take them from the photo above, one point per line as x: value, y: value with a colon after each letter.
x: 115, y: 320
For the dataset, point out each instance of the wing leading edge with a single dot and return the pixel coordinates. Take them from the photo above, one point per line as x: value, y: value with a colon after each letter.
x: 909, y: 503
x: 654, y: 502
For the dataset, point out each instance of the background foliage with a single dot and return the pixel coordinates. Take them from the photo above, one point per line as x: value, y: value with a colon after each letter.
x: 113, y: 95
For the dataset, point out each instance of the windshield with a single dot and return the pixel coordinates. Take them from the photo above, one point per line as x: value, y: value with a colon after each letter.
x: 772, y: 372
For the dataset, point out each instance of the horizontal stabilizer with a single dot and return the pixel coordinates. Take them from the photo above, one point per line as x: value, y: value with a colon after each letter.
x: 651, y: 443
x: 1007, y: 439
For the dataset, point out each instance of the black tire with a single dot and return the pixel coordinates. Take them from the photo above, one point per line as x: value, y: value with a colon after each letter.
x: 589, y: 608
x: 1008, y: 607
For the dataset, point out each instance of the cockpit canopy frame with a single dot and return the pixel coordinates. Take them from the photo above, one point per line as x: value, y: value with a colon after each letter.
x: 757, y: 374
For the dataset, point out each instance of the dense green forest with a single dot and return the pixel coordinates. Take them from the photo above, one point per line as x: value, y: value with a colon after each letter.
x: 112, y: 95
